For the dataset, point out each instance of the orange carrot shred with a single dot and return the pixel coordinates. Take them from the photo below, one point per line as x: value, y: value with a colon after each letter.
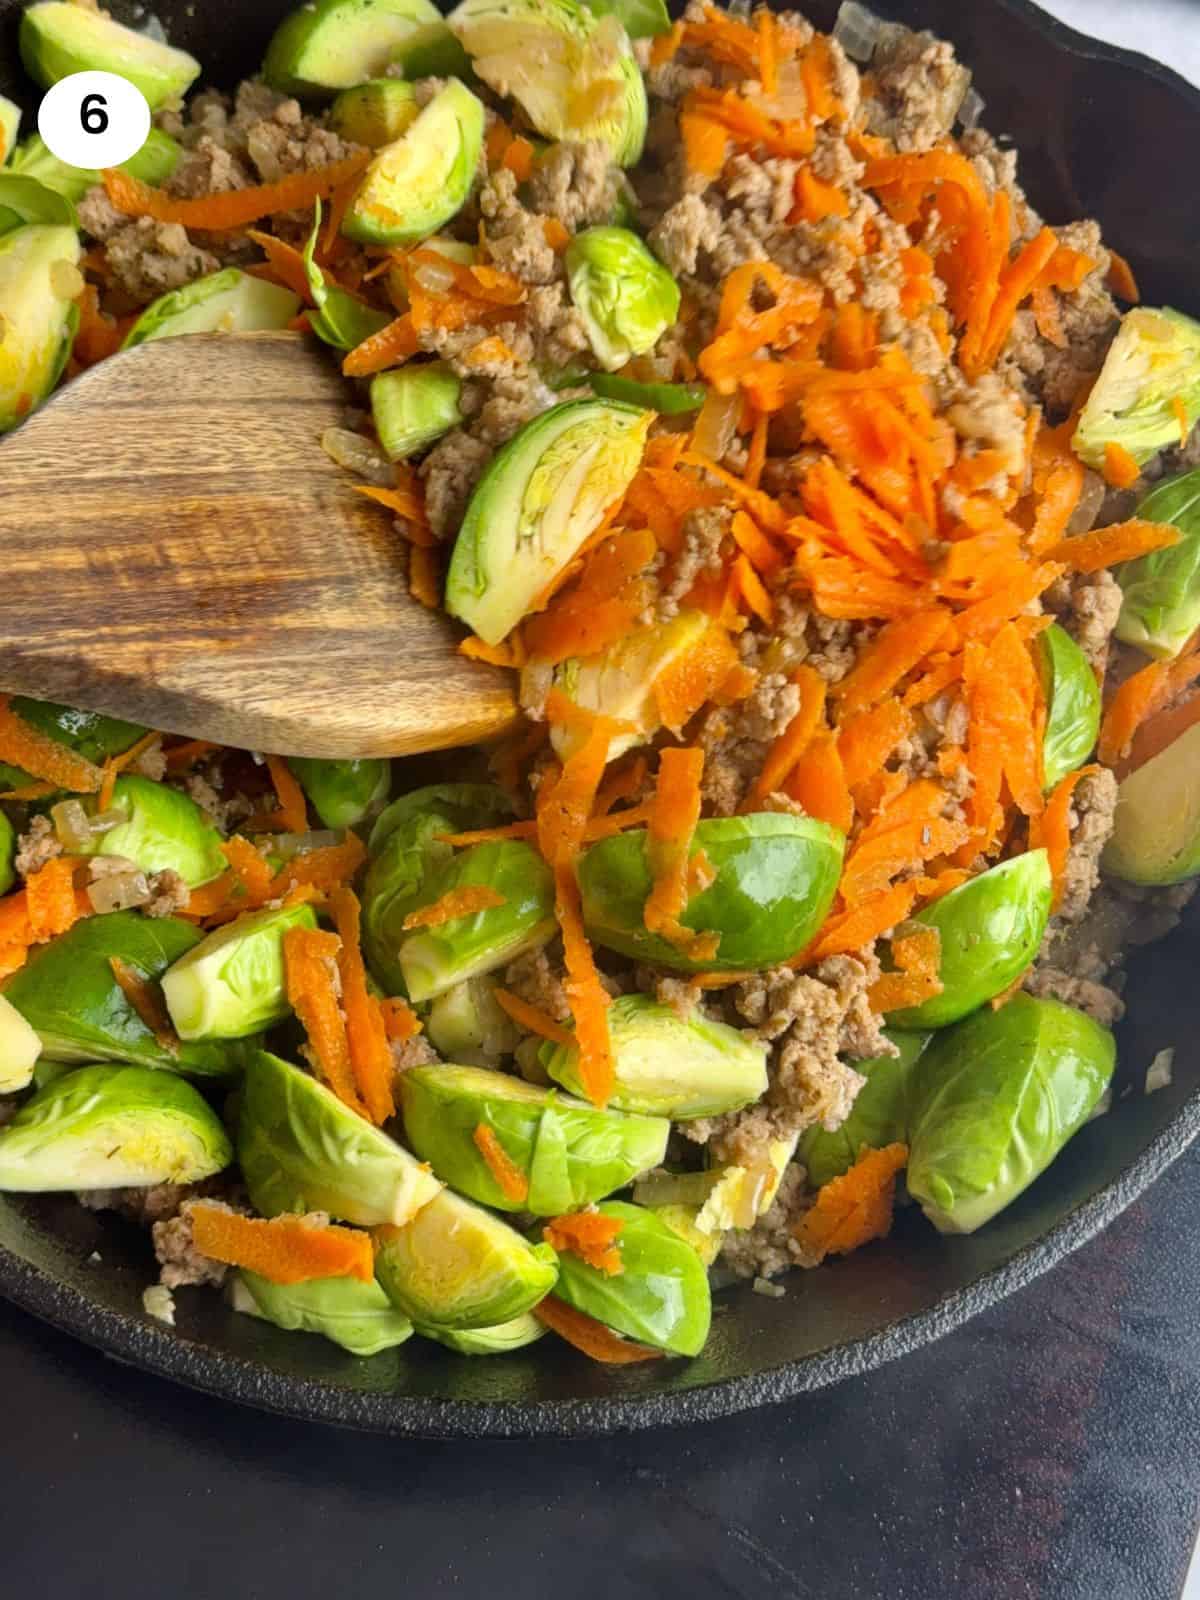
x: 115, y: 765
x: 1052, y: 830
x: 589, y: 1000
x: 287, y: 1249
x: 855, y: 1208
x: 590, y: 1236
x: 51, y: 903
x: 468, y: 901
x: 1121, y: 541
x: 322, y: 869
x: 893, y: 653
x: 310, y: 962
x: 1121, y: 279
x: 590, y: 1336
x: 232, y: 208
x: 424, y: 582
x: 400, y: 1021
x: 252, y: 869
x: 917, y: 954
x: 859, y: 925
x: 391, y: 345
x: 818, y: 783
x: 42, y: 757
x: 146, y: 998
x: 532, y: 1019
x: 1159, y: 732
x: 1120, y: 468
x: 510, y: 1180
x: 366, y: 1031
x: 673, y: 819
x: 867, y: 740
x: 293, y: 808
x: 791, y: 744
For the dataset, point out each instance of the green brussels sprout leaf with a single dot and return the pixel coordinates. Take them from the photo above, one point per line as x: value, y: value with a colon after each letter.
x: 1153, y: 362
x: 153, y: 163
x: 343, y: 793
x: 336, y: 44
x: 374, y: 113
x: 1160, y: 609
x: 1072, y: 704
x: 26, y: 199
x: 414, y: 406
x: 10, y: 123
x: 497, y: 1341
x: 163, y: 830
x: 878, y: 1117
x: 228, y: 301
x: 337, y: 318
x: 8, y: 850
x: 467, y: 1024
x: 668, y: 399
x: 357, y: 1316
x: 625, y: 297
x: 641, y: 19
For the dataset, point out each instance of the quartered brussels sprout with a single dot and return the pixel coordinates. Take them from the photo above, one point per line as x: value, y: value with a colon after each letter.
x: 8, y: 849
x: 569, y: 1152
x: 153, y: 163
x: 57, y: 38
x: 40, y: 314
x: 1151, y: 370
x: 432, y: 51
x: 1072, y: 698
x: 668, y: 399
x: 641, y: 19
x: 776, y: 876
x: 422, y: 814
x: 414, y: 406
x: 994, y: 1101
x: 337, y: 317
x: 457, y: 1266
x: 300, y: 1149
x: 87, y: 733
x: 343, y: 793
x: 357, y: 1316
x: 422, y: 179
x: 20, y: 1048
x: 1161, y: 606
x: 374, y: 113
x: 432, y: 959
x: 1156, y: 828
x: 24, y: 199
x: 335, y: 44
x: 228, y: 301
x: 498, y: 1341
x: 625, y: 297
x: 232, y: 984
x: 110, y: 1127
x: 539, y: 498
x: 573, y: 74
x: 466, y: 1023
x: 670, y: 1066
x: 164, y: 830
x: 878, y: 1117
x: 10, y: 123
x: 991, y: 928
x: 67, y: 993
x: 660, y: 1297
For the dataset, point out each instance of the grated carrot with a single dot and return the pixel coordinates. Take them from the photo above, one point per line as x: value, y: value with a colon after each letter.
x: 1122, y: 541
x: 322, y: 869
x: 1016, y: 283
x: 589, y: 1235
x: 791, y: 744
x: 231, y: 208
x: 532, y: 1019
x: 1052, y: 830
x: 1140, y: 697
x: 518, y: 158
x: 424, y: 581
x: 1047, y: 318
x: 510, y: 1179
x: 878, y: 857
x: 917, y: 954
x: 252, y: 869
x: 1121, y: 279
x: 387, y: 348
x: 750, y: 590
x: 556, y: 234
x: 285, y: 262
x: 291, y: 816
x: 867, y: 739
x: 818, y: 783
x: 287, y: 1249
x: 310, y: 962
x: 674, y: 814
x: 896, y: 649
x: 855, y: 1208
x: 366, y: 1031
x: 42, y: 757
x: 694, y: 678
x: 816, y: 199
x: 588, y: 997
x: 407, y: 503
x: 115, y: 765
x: 860, y: 925
x: 51, y: 903
x: 1120, y: 469
x: 590, y: 1336
x: 1158, y: 733
x: 468, y: 901
x: 146, y: 998
x: 400, y: 1021
x: 705, y: 143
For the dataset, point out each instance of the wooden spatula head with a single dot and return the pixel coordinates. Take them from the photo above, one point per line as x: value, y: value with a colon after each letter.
x: 179, y: 550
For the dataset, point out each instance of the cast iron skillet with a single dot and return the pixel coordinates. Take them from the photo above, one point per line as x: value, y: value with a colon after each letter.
x: 1102, y: 133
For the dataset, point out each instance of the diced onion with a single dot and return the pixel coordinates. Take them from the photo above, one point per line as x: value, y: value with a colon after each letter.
x: 435, y: 277
x: 287, y: 845
x: 72, y: 828
x: 119, y: 891
x: 1159, y: 1072
x: 66, y: 280
x: 971, y: 109
x: 104, y: 821
x: 857, y: 30
x: 764, y: 1286
x: 716, y: 426
x: 356, y: 454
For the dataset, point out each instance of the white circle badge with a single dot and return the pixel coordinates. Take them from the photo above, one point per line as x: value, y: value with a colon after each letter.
x: 94, y: 119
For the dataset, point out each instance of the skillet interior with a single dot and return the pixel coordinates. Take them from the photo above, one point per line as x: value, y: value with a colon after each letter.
x: 1100, y: 133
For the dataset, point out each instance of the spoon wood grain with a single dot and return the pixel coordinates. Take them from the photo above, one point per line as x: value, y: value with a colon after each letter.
x: 177, y: 549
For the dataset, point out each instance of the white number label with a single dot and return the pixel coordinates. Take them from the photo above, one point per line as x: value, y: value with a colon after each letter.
x: 94, y: 119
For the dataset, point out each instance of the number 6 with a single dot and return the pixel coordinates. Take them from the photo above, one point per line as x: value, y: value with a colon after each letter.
x: 93, y: 113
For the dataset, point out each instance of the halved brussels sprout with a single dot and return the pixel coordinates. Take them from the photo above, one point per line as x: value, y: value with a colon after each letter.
x: 573, y: 74
x: 20, y: 1048
x: 1151, y: 371
x: 422, y: 179
x: 67, y: 993
x: 406, y: 850
x: 40, y: 316
x: 164, y: 830
x: 1072, y: 704
x: 994, y: 1101
x: 1156, y: 829
x: 660, y: 1297
x: 228, y: 301
x: 301, y: 1149
x: 991, y: 928
x: 497, y: 1341
x: 374, y: 113
x: 668, y: 399
x: 335, y: 44
x: 432, y: 51
x: 433, y: 959
x: 1161, y: 606
x: 87, y: 733
x: 24, y: 199
x: 878, y: 1117
x: 8, y: 849
x: 641, y: 19
x: 10, y: 122
x: 111, y: 1128
x: 776, y: 876
x: 671, y: 1066
x: 626, y: 298
x: 466, y: 1023
x: 413, y: 406
x: 337, y: 317
x: 343, y: 793
x: 539, y: 498
x: 57, y: 38
x: 457, y: 1266
x: 232, y: 983
x: 153, y: 163
x: 357, y: 1316
x: 571, y: 1153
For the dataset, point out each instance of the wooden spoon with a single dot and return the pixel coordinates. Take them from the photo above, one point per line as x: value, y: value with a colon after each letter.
x: 179, y: 550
